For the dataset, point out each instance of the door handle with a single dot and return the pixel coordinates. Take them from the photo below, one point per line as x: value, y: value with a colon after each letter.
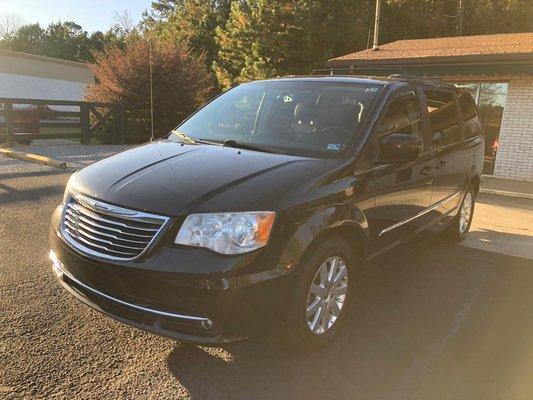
x: 426, y: 170
x: 440, y: 164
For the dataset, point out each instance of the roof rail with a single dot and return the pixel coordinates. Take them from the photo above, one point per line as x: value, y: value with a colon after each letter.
x: 435, y: 80
x: 337, y: 71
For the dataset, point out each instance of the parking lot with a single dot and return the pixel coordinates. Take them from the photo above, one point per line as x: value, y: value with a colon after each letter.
x: 445, y: 322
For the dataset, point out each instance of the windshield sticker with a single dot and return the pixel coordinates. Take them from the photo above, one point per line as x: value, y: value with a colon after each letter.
x: 334, y: 147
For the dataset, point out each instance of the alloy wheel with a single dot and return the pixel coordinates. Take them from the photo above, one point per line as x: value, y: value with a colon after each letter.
x: 466, y: 212
x: 327, y: 295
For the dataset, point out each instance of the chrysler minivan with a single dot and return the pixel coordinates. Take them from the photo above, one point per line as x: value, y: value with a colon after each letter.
x: 259, y: 212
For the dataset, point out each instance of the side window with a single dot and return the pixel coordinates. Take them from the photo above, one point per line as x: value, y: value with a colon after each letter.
x: 402, y: 116
x: 442, y: 117
x: 470, y: 116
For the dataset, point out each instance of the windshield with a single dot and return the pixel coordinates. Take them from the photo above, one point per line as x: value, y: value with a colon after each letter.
x: 300, y: 118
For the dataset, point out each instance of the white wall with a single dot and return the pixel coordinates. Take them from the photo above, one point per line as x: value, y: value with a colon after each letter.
x: 30, y: 87
x: 514, y: 158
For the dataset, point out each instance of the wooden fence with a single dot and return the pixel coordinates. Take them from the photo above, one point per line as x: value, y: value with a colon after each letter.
x: 24, y: 120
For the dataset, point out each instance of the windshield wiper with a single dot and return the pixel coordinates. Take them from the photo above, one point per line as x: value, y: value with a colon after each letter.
x: 247, y: 146
x: 189, y: 140
x: 183, y: 136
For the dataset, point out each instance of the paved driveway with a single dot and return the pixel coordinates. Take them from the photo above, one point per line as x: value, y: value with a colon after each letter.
x: 446, y: 322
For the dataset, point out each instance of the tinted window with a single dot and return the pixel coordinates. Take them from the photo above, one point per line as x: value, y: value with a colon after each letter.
x: 303, y: 118
x: 470, y: 116
x: 443, y: 117
x: 402, y: 116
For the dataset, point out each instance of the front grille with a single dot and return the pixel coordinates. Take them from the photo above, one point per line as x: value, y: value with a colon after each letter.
x: 102, y: 230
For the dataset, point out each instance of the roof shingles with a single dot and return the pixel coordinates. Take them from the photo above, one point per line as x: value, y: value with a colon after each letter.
x: 459, y: 46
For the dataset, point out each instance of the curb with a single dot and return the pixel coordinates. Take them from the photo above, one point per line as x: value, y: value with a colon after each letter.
x: 507, y: 194
x: 35, y: 158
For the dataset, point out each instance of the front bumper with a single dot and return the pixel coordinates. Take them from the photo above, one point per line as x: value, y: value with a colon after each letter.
x: 155, y: 294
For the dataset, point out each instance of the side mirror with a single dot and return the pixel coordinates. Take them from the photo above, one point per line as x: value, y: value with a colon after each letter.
x: 399, y: 147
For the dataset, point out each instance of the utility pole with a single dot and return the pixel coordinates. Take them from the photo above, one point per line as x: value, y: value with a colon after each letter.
x: 375, y: 45
x: 151, y: 94
x: 460, y: 16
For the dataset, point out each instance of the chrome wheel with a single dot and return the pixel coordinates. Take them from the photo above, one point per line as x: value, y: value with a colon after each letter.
x: 327, y: 295
x: 466, y: 212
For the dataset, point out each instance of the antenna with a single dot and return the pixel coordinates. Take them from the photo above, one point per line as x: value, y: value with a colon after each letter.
x: 375, y: 45
x: 151, y: 95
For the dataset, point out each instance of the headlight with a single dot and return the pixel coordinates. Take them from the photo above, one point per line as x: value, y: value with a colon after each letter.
x: 227, y: 233
x: 68, y: 188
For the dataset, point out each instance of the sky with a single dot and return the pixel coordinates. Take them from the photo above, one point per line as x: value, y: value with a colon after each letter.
x: 92, y: 15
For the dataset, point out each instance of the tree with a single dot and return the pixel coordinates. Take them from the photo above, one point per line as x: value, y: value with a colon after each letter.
x: 28, y: 39
x: 498, y: 16
x: 9, y: 24
x: 409, y: 19
x: 404, y: 19
x: 190, y: 21
x: 333, y: 28
x: 258, y: 41
x: 181, y: 82
x: 267, y: 38
x: 66, y: 40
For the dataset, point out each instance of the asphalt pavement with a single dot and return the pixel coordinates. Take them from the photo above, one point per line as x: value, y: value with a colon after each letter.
x: 445, y: 322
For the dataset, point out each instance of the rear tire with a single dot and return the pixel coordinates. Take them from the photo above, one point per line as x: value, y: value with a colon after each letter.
x: 458, y: 229
x: 321, y: 301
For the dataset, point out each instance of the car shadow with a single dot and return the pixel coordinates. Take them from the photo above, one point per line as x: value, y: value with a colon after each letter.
x: 32, y: 174
x: 10, y: 194
x: 514, y: 244
x: 446, y: 321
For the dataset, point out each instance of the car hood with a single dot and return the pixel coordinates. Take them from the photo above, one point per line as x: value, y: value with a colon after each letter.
x: 175, y: 179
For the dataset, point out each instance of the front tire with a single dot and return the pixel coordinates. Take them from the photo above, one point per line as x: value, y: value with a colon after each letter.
x: 458, y: 230
x: 323, y: 294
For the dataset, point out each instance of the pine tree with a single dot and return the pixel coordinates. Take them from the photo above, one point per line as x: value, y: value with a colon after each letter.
x: 258, y: 40
x: 189, y: 21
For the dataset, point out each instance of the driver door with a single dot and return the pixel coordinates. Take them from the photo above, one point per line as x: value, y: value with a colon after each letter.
x: 402, y: 190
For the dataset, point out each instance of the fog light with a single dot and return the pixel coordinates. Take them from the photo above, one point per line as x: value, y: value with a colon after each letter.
x: 207, y: 324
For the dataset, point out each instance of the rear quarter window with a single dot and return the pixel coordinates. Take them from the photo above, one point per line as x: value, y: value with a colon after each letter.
x: 471, y: 119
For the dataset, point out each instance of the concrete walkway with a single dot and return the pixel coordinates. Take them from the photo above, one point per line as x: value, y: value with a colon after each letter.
x: 507, y: 187
x: 502, y: 225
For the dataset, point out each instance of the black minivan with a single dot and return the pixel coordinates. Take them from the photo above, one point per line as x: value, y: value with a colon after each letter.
x: 260, y: 210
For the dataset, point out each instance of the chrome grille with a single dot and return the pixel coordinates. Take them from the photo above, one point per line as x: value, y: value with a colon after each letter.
x: 102, y: 230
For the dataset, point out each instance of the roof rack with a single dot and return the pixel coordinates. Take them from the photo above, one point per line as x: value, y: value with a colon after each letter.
x: 436, y: 80
x: 337, y: 71
x: 353, y: 72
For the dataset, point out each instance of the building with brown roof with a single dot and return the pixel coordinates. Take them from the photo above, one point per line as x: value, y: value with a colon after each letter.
x: 496, y: 69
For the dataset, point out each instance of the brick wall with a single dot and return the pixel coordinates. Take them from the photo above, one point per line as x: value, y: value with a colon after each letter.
x: 515, y: 153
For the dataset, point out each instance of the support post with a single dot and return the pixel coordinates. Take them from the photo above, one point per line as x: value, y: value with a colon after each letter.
x: 8, y: 123
x: 85, y: 123
x: 121, y: 113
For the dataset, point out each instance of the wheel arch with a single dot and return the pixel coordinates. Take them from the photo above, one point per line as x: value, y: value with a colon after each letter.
x: 352, y: 227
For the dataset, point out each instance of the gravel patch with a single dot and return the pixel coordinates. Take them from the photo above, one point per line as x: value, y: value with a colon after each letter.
x: 75, y: 155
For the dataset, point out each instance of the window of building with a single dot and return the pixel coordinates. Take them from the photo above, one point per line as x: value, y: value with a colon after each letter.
x: 442, y: 117
x: 490, y: 98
